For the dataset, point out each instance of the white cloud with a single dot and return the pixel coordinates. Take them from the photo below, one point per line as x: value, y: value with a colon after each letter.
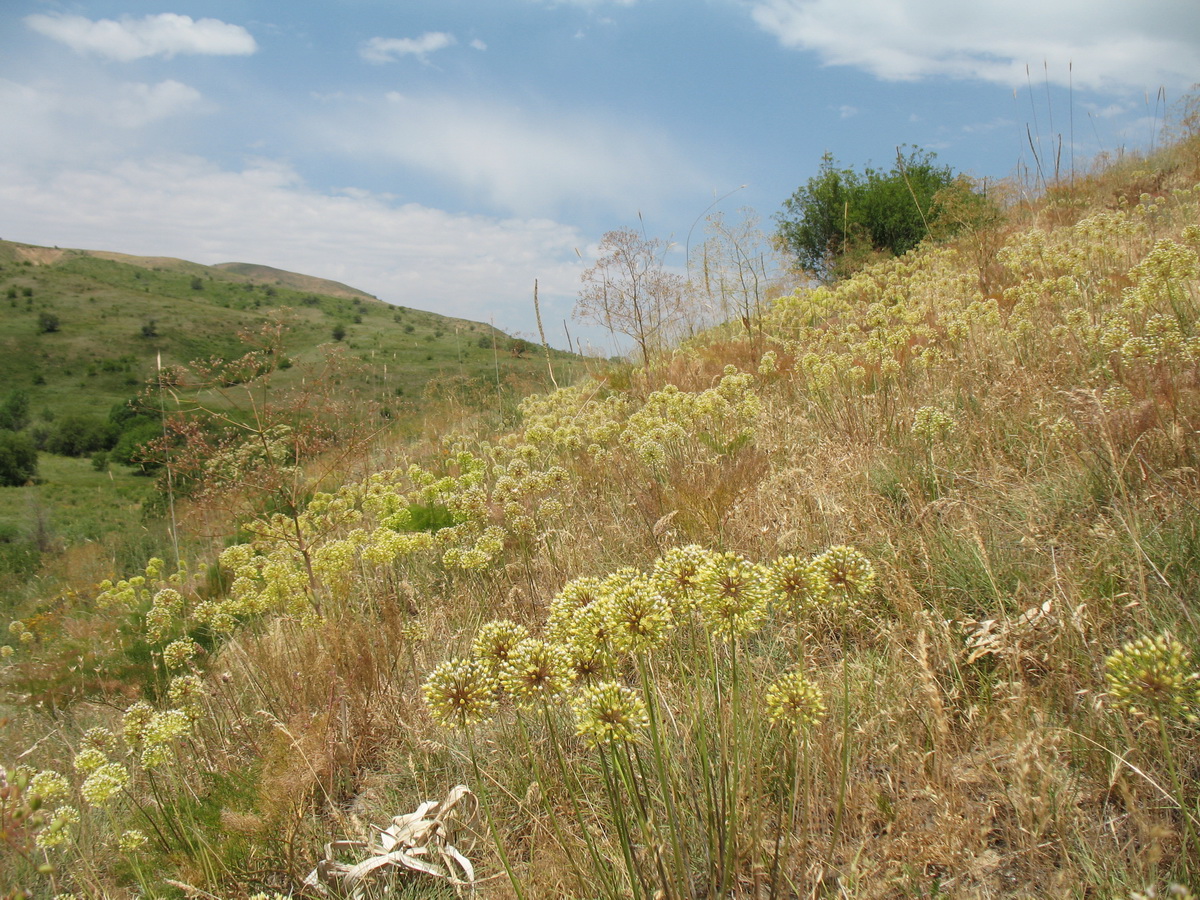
x: 473, y: 266
x: 165, y: 34
x: 847, y: 112
x: 384, y: 50
x: 478, y: 44
x: 1108, y: 44
x: 522, y: 161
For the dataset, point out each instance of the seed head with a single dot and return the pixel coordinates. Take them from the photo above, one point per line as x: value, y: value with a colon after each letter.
x: 536, y: 670
x: 798, y: 584
x: 848, y: 573
x: 733, y: 595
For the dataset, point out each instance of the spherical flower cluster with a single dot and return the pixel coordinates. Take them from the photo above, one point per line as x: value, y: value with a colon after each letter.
x: 134, y: 723
x: 794, y: 703
x: 848, y: 573
x: 798, y: 584
x: 677, y: 574
x: 733, y: 595
x: 569, y: 603
x: 641, y: 616
x: 58, y: 831
x: 536, y: 670
x: 104, y: 783
x: 932, y: 424
x: 495, y: 642
x: 459, y: 693
x: 178, y: 654
x: 609, y: 712
x: 49, y: 785
x: 187, y: 692
x: 131, y: 840
x: 89, y: 759
x: 1153, y: 677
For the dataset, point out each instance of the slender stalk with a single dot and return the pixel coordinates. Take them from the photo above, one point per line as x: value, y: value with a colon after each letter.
x: 666, y: 785
x: 481, y: 790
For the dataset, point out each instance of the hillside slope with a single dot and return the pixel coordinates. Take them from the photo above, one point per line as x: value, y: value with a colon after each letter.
x: 903, y: 605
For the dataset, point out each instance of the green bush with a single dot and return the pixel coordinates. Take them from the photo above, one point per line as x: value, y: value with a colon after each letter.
x: 18, y: 458
x: 841, y: 219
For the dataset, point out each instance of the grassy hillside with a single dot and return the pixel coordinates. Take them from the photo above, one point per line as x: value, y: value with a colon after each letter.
x: 902, y: 606
x: 85, y: 331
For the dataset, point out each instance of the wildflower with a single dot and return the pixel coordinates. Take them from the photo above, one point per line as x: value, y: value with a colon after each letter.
x: 609, y: 712
x: 155, y: 755
x: 640, y: 614
x: 793, y: 702
x: 848, y: 573
x: 133, y: 726
x: 588, y: 662
x: 1152, y: 677
x: 178, y: 654
x: 676, y: 573
x: 6, y: 651
x: 163, y: 727
x: 89, y: 759
x: 574, y: 597
x: 100, y: 738
x: 536, y: 669
x: 59, y: 829
x: 460, y: 692
x: 494, y: 643
x: 131, y: 840
x: 933, y: 425
x: 49, y: 786
x: 187, y: 692
x: 732, y: 594
x: 798, y: 583
x: 108, y: 780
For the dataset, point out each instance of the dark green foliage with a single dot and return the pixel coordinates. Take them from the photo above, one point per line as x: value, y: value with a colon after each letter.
x: 18, y: 458
x: 79, y: 435
x: 14, y: 411
x: 840, y: 218
x: 48, y: 322
x: 339, y: 331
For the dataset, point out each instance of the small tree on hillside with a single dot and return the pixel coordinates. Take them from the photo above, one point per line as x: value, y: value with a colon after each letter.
x: 629, y: 292
x: 841, y: 219
x: 18, y: 458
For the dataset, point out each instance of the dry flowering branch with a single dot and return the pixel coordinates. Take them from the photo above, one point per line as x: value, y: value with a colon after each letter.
x: 418, y: 842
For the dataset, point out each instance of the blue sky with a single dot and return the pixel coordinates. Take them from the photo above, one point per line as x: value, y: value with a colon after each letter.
x: 445, y: 154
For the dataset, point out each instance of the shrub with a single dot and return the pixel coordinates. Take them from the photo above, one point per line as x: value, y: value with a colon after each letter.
x: 18, y: 458
x: 48, y: 322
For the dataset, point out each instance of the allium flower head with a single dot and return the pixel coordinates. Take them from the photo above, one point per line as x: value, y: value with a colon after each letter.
x: 733, y: 594
x: 133, y: 726
x: 131, y: 840
x: 460, y: 692
x: 495, y: 642
x: 99, y: 787
x: 574, y: 597
x: 1153, y: 677
x: 798, y: 584
x: 89, y: 759
x: 609, y: 712
x: 536, y: 670
x: 849, y: 575
x: 640, y: 614
x: 178, y: 654
x: 187, y: 692
x: 49, y: 785
x: 100, y: 738
x: 59, y: 829
x: 677, y: 573
x: 588, y: 662
x: 793, y: 702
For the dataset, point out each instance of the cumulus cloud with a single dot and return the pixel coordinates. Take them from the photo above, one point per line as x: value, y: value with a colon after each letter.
x: 164, y: 34
x: 1097, y: 44
x: 521, y: 161
x: 384, y: 50
x: 472, y: 266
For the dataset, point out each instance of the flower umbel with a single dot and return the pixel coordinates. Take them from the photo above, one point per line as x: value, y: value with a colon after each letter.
x: 794, y: 702
x: 1153, y: 677
x: 459, y: 693
x: 609, y: 712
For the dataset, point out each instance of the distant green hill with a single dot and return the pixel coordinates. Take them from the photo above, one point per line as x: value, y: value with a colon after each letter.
x: 82, y: 332
x: 84, y: 329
